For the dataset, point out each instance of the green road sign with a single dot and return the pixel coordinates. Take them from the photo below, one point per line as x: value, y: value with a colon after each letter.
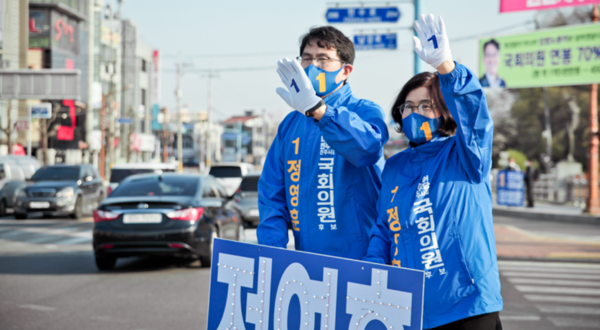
x: 553, y: 57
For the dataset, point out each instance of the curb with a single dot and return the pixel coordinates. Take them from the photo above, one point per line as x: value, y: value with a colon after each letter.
x: 540, y: 259
x: 570, y: 218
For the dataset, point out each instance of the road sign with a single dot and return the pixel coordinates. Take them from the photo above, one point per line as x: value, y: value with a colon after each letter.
x: 260, y: 287
x: 41, y: 110
x: 363, y: 15
x: 375, y: 41
x: 125, y: 121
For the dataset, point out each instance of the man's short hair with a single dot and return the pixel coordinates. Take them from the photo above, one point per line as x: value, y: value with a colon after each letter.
x: 492, y: 42
x: 330, y: 37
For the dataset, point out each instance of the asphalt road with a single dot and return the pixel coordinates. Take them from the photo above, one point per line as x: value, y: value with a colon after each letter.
x: 48, y: 280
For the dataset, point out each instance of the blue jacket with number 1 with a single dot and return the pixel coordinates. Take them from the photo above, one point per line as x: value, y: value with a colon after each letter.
x: 322, y: 179
x: 435, y: 210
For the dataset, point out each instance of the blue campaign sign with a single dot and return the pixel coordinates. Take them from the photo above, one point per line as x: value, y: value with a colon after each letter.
x: 510, y: 188
x: 375, y: 41
x: 264, y: 288
x: 363, y: 15
x: 124, y: 121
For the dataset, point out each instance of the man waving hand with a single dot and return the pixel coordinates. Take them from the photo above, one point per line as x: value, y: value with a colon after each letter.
x: 322, y: 174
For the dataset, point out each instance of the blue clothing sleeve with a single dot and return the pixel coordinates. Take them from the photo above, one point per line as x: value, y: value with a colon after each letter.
x: 466, y: 101
x: 357, y: 135
x: 379, y: 241
x: 272, y: 203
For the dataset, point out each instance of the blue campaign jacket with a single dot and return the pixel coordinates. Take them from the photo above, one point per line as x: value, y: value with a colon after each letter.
x: 435, y: 210
x: 322, y: 179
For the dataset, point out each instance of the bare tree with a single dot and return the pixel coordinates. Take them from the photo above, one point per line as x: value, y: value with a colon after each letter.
x: 10, y: 128
x: 44, y: 127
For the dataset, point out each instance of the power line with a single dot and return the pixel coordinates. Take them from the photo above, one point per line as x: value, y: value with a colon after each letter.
x: 228, y: 55
x: 264, y: 68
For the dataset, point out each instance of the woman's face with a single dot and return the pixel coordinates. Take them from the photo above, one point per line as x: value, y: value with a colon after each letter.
x: 415, y: 98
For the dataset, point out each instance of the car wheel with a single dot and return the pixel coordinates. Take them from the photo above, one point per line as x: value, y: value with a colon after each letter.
x: 77, y: 211
x: 205, y: 261
x: 21, y: 216
x: 105, y: 263
x: 2, y: 208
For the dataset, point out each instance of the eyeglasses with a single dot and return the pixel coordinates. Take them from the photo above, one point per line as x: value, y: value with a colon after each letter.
x: 423, y: 109
x: 322, y: 61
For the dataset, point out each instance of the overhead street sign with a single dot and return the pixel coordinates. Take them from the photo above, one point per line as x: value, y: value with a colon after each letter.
x: 125, y: 121
x: 363, y: 15
x: 41, y: 110
x: 375, y: 41
x: 44, y: 84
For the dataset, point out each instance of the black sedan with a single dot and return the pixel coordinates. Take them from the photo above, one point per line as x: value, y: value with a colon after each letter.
x: 164, y: 214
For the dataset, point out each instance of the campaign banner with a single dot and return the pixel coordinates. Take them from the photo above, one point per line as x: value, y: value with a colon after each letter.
x: 265, y: 288
x: 507, y: 6
x: 510, y: 188
x: 553, y: 57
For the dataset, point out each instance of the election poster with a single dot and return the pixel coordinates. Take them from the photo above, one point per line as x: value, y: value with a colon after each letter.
x: 508, y: 6
x: 510, y: 188
x: 552, y: 57
x: 264, y: 288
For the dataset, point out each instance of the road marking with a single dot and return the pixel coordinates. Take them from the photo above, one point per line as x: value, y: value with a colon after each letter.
x: 75, y: 240
x: 553, y: 309
x: 542, y: 289
x: 562, y: 299
x: 38, y: 307
x: 553, y: 275
x: 552, y: 282
x: 519, y: 317
x: 572, y: 322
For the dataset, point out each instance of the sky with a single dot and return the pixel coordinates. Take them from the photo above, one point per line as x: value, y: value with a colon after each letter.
x: 254, y: 35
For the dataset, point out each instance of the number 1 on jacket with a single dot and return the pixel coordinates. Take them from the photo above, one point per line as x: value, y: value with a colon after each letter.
x: 321, y: 79
x: 427, y: 130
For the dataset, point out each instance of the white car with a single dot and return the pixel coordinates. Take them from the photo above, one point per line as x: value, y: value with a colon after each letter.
x: 230, y: 175
x: 121, y: 171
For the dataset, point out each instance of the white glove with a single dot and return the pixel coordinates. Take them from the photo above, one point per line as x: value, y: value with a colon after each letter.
x: 432, y: 45
x: 300, y: 93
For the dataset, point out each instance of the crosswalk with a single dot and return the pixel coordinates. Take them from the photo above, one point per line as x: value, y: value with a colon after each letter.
x: 53, y: 234
x: 550, y: 295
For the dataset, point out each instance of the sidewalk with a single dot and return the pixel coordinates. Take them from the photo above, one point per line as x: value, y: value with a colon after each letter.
x: 549, y: 212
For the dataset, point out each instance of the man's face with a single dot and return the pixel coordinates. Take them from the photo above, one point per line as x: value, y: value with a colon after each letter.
x: 312, y: 50
x: 491, y: 56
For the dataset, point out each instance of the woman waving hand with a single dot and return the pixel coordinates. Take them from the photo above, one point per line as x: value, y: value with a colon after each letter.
x: 435, y: 206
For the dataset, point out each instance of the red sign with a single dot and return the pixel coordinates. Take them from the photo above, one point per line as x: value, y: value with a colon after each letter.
x: 65, y: 132
x: 521, y: 5
x: 63, y: 28
x: 22, y: 125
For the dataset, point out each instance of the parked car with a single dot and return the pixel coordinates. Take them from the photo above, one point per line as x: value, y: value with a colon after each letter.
x: 121, y: 171
x: 7, y: 196
x: 247, y: 198
x: 164, y: 214
x: 230, y: 174
x: 60, y: 190
x: 17, y: 168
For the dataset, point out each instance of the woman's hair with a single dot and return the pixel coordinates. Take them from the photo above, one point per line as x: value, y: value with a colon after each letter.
x: 431, y: 81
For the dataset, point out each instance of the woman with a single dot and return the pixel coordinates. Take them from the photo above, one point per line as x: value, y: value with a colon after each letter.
x: 435, y: 206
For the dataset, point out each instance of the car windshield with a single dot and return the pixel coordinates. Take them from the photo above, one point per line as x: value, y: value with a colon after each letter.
x: 70, y: 173
x: 157, y: 186
x: 226, y: 172
x: 250, y: 183
x: 117, y: 175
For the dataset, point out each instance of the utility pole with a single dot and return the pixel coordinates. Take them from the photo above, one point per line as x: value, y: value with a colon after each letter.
x: 593, y: 203
x: 417, y: 60
x: 548, y: 129
x: 179, y: 122
x: 165, y: 125
x: 102, y: 165
x: 208, y: 117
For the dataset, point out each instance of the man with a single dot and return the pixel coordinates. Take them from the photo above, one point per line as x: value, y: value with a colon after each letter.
x: 512, y: 165
x: 491, y: 58
x: 322, y: 174
x: 531, y: 175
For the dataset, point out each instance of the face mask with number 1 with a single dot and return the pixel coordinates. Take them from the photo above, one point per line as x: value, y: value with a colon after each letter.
x: 323, y: 81
x: 420, y: 129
